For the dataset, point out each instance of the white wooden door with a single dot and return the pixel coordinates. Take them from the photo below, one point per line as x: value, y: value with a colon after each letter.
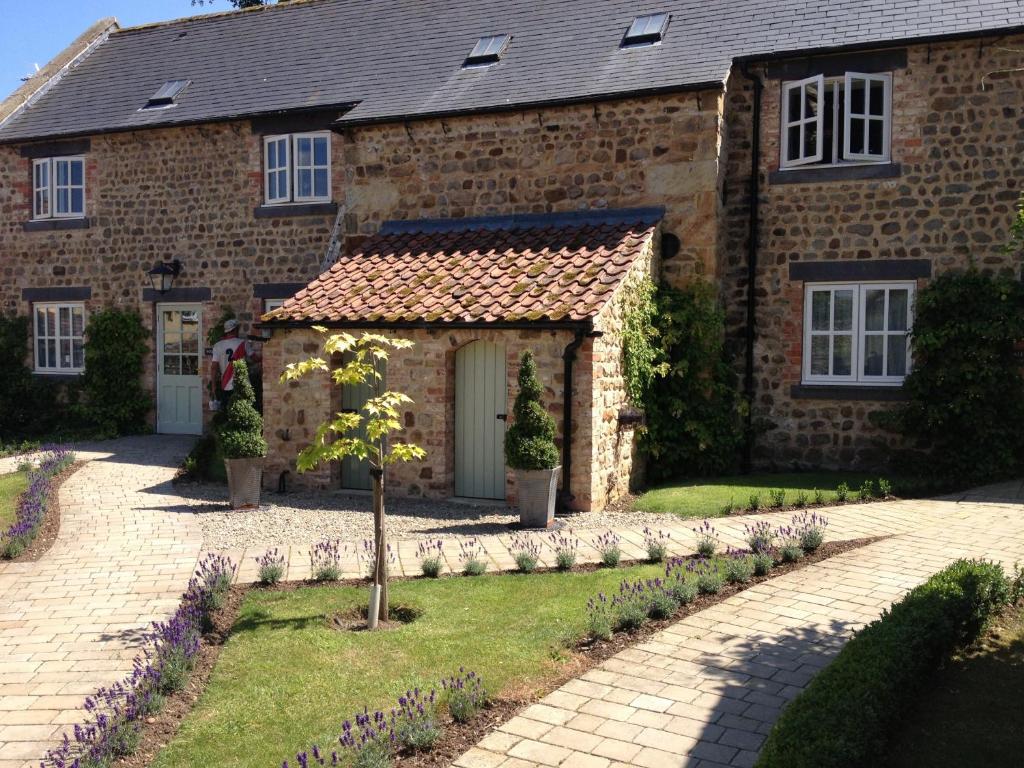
x: 179, y: 386
x: 481, y: 398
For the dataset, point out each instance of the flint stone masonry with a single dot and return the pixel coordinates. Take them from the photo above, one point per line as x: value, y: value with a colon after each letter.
x: 959, y: 145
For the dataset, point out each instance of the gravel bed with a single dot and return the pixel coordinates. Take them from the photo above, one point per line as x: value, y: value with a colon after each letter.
x: 304, y: 517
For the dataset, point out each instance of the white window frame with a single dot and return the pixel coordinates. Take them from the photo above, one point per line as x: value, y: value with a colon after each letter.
x: 57, y: 337
x: 282, y: 141
x: 818, y: 119
x: 885, y: 119
x: 46, y: 168
x: 843, y: 154
x: 269, y: 305
x: 858, y: 333
x: 292, y: 196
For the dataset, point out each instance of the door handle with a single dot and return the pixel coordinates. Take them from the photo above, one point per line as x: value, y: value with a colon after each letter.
x: 502, y: 417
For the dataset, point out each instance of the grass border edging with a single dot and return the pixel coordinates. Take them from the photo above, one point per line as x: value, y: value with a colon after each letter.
x: 33, y: 504
x: 848, y: 712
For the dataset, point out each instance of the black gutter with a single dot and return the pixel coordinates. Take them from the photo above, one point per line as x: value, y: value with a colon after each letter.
x: 565, y: 495
x: 753, y: 220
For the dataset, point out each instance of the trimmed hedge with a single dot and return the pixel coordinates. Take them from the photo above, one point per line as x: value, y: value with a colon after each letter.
x: 847, y: 714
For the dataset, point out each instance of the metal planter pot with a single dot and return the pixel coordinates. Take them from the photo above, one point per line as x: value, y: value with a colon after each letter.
x: 537, y: 489
x: 245, y: 480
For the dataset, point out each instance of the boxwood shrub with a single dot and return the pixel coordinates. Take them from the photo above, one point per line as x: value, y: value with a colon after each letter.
x: 847, y: 714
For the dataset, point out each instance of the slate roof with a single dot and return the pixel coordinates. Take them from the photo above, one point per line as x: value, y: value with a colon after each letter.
x: 402, y: 58
x: 553, y: 268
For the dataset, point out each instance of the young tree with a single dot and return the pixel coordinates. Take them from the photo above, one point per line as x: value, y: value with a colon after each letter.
x: 339, y: 438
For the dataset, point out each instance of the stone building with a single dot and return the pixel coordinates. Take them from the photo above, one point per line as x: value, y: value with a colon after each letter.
x: 817, y: 162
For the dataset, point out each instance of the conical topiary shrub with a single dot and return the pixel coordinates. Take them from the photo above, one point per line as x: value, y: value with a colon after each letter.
x: 530, y: 441
x: 241, y: 434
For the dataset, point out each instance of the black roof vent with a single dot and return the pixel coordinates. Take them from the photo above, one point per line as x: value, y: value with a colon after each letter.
x: 168, y: 92
x: 646, y: 30
x: 487, y: 50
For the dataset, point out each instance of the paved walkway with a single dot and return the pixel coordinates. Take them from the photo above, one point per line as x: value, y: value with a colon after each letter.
x: 704, y: 692
x: 73, y: 620
x: 705, y: 689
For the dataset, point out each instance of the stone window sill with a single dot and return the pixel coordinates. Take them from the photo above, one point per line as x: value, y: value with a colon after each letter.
x: 55, y: 225
x: 288, y: 211
x: 836, y: 392
x: 836, y: 173
x: 62, y: 378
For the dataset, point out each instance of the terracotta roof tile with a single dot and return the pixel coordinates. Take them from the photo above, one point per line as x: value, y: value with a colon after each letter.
x: 486, y: 274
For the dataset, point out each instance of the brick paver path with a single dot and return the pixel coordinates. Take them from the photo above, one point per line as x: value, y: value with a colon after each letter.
x: 73, y: 620
x: 704, y: 692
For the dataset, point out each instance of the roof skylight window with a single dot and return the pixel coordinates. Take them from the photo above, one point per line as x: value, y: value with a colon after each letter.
x: 487, y: 50
x: 168, y: 92
x: 646, y: 30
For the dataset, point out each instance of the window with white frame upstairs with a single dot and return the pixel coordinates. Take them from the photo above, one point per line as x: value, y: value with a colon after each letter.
x: 297, y: 168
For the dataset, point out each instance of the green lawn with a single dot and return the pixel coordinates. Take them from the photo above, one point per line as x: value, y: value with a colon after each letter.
x: 285, y: 680
x: 972, y: 712
x: 11, y: 487
x: 709, y: 497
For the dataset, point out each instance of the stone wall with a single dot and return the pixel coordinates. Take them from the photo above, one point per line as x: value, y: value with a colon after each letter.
x: 655, y: 151
x: 426, y: 373
x: 961, y: 149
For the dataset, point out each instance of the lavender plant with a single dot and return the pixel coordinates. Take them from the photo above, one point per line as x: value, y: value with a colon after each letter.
x: 763, y: 562
x: 431, y: 557
x: 607, y: 546
x: 465, y: 695
x: 566, y: 548
x: 270, y: 567
x: 370, y: 556
x: 30, y: 509
x: 471, y: 558
x: 525, y: 552
x: 210, y: 585
x: 707, y: 539
x: 415, y: 720
x: 325, y: 560
x: 600, y: 620
x: 759, y: 536
x: 810, y: 527
x: 630, y: 605
x: 738, y: 566
x: 790, y: 548
x: 661, y: 602
x: 656, y: 545
x: 708, y: 577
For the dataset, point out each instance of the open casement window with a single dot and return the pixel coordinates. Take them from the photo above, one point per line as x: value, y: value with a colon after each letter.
x: 59, y: 331
x: 297, y: 168
x: 58, y: 188
x: 857, y: 333
x: 803, y: 122
x: 868, y: 107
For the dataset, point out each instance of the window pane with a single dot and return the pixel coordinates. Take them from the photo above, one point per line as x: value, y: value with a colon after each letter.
x: 51, y: 353
x: 77, y: 321
x: 41, y: 353
x: 77, y: 201
x: 78, y: 352
x: 842, y: 355
x: 874, y: 355
x: 272, y: 187
x: 172, y: 344
x: 857, y: 97
x: 793, y: 113
x: 189, y: 365
x: 875, y: 133
x: 821, y: 311
x: 40, y: 322
x: 320, y: 151
x: 874, y: 310
x: 844, y: 311
x: 51, y: 321
x: 810, y: 100
x: 272, y: 155
x: 810, y: 139
x: 65, y: 321
x: 172, y: 365
x: 63, y: 200
x: 65, y: 353
x: 62, y: 173
x: 819, y: 355
x: 857, y: 136
x: 76, y: 173
x: 303, y: 154
x: 305, y: 184
x: 320, y: 182
x: 793, y: 143
x: 877, y: 106
x: 897, y: 355
x: 899, y: 304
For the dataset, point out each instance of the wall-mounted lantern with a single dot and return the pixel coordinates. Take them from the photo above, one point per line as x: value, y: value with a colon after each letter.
x: 162, y: 275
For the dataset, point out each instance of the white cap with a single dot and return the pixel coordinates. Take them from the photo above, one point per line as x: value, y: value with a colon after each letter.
x: 230, y: 325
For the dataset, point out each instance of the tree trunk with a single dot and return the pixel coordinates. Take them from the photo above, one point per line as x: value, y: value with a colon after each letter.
x: 380, y: 574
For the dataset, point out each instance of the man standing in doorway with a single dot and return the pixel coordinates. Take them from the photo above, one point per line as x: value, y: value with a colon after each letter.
x: 225, y: 352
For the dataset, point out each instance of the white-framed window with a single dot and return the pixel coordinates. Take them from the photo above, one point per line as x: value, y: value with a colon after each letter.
x: 835, y: 121
x: 58, y: 188
x: 297, y: 168
x: 269, y: 305
x: 59, y: 335
x: 857, y: 333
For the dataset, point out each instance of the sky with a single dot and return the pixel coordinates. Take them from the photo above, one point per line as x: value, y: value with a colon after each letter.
x: 34, y: 31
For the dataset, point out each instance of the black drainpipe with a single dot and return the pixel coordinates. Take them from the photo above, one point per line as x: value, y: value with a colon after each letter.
x: 752, y: 243
x: 565, y: 497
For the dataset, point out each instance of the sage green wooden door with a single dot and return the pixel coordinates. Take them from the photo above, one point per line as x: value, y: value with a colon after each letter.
x: 355, y: 473
x: 179, y: 387
x: 481, y: 398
